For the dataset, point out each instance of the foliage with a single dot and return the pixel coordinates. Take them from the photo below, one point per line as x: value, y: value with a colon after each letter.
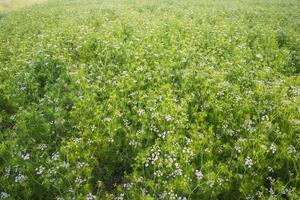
x: 150, y: 100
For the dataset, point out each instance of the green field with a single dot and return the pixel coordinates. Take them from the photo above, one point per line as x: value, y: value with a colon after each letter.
x: 150, y: 99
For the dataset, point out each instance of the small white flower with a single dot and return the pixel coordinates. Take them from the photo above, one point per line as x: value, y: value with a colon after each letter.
x: 249, y: 198
x: 168, y: 118
x: 163, y: 134
x: 4, y: 195
x: 25, y: 156
x: 273, y: 148
x: 65, y: 164
x: 127, y: 186
x: 249, y: 122
x: 7, y: 171
x: 132, y: 143
x: 20, y: 178
x: 163, y: 195
x: 121, y: 197
x: 40, y: 170
x: 270, y: 169
x: 238, y: 149
x: 188, y: 140
x: 259, y: 56
x: 248, y: 162
x: 271, y: 179
x: 43, y: 147
x: 141, y: 112
x: 80, y: 164
x: 265, y: 118
x: 182, y: 198
x: 178, y: 170
x: 292, y: 149
x: 77, y: 140
x: 211, y: 183
x: 290, y: 173
x: 54, y: 156
x: 93, y: 128
x: 158, y: 173
x: 79, y: 180
x: 176, y: 99
x: 199, y: 175
x: 71, y: 190
x: 90, y: 197
x: 126, y: 123
x: 110, y: 140
x: 140, y: 69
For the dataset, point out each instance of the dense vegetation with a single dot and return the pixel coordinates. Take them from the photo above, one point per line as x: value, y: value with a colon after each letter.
x: 141, y: 99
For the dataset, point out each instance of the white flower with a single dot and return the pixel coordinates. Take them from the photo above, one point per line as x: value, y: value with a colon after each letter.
x: 132, y: 143
x: 178, y: 170
x: 273, y: 148
x: 182, y: 198
x: 39, y: 170
x: 270, y: 169
x: 269, y: 178
x: 121, y: 197
x: 25, y: 156
x: 154, y: 157
x: 20, y: 178
x: 292, y: 149
x: 127, y: 186
x: 141, y: 112
x: 43, y: 147
x: 249, y: 198
x: 71, y: 190
x: 158, y: 173
x: 79, y: 180
x: 126, y: 122
x: 144, y: 191
x: 77, y: 140
x: 163, y: 134
x: 249, y: 122
x: 4, y: 195
x: 259, y: 56
x: 80, y: 164
x: 168, y: 118
x: 211, y: 183
x: 110, y: 140
x: 93, y: 127
x: 163, y: 195
x: 199, y: 175
x: 248, y: 162
x: 188, y: 140
x: 7, y: 171
x: 238, y: 149
x: 90, y: 197
x: 259, y: 194
x: 265, y: 118
x: 55, y: 156
x: 65, y: 164
x: 140, y: 69
x: 176, y: 99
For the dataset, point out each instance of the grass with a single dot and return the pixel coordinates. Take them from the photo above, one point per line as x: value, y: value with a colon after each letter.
x: 150, y: 100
